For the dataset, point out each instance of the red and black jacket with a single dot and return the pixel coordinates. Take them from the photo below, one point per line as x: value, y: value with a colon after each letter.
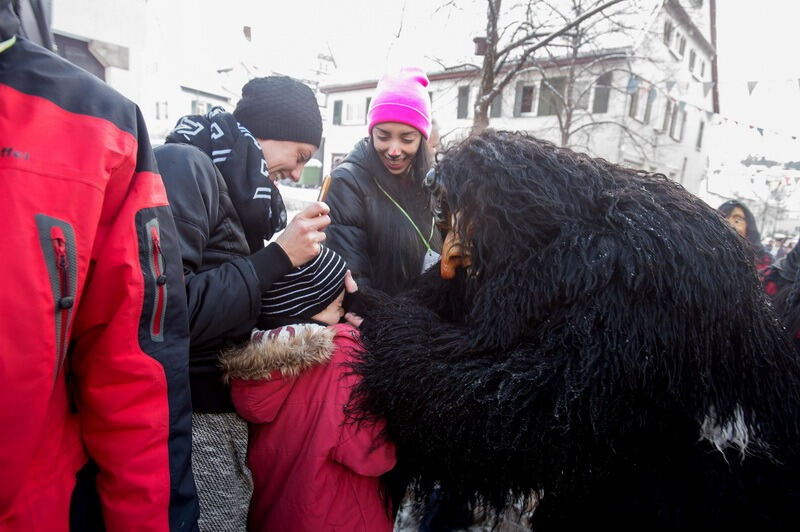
x: 94, y: 341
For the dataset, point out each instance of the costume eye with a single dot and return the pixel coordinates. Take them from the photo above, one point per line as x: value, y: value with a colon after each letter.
x: 439, y: 207
x: 430, y: 180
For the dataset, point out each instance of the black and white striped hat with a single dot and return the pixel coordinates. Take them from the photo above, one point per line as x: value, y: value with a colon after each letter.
x: 307, y: 289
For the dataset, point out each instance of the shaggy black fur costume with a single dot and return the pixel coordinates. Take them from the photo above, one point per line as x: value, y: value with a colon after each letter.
x: 609, y: 349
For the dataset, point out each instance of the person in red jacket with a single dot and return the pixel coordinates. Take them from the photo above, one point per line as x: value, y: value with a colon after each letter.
x: 313, y: 470
x: 94, y: 340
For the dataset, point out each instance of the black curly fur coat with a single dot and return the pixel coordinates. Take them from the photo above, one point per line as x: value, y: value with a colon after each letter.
x: 609, y: 349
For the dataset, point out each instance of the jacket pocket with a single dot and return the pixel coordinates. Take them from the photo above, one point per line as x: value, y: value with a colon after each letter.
x: 158, y: 286
x: 57, y: 239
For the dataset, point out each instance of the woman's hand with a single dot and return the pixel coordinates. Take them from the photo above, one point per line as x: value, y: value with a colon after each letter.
x: 351, y: 287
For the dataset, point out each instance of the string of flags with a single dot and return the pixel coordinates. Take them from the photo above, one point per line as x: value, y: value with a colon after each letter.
x: 712, y: 118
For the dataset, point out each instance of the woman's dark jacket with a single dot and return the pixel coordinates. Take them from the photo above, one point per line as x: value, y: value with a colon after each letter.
x: 380, y: 245
x: 221, y: 230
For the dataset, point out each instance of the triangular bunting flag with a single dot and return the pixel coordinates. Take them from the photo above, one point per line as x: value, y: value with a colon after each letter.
x: 669, y: 85
x: 709, y: 115
x: 761, y: 131
x: 633, y: 84
x: 750, y: 86
x: 796, y: 180
x: 681, y: 105
x: 707, y: 87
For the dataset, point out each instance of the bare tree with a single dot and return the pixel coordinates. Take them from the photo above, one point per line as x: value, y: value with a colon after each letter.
x: 511, y: 48
x: 567, y: 43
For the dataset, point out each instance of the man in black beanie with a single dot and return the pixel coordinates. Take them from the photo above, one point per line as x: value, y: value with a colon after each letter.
x: 219, y: 171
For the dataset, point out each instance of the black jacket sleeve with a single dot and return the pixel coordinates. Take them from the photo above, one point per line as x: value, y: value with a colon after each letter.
x: 226, y: 298
x: 347, y: 233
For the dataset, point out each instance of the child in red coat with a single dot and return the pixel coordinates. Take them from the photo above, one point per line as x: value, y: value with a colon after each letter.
x: 312, y: 469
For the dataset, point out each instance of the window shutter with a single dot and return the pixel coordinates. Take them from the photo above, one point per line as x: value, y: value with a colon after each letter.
x: 337, y: 112
x: 518, y: 99
x: 463, y: 102
x: 496, y: 109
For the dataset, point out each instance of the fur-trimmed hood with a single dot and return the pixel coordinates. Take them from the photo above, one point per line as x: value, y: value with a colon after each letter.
x: 289, y: 349
x: 267, y: 367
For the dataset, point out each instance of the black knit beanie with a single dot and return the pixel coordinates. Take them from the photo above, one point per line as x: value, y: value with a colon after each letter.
x: 307, y: 289
x: 280, y: 108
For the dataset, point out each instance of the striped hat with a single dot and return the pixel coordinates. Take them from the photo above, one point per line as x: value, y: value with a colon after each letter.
x: 307, y: 289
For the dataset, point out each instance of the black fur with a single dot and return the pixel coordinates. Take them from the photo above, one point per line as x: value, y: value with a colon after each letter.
x: 607, y: 314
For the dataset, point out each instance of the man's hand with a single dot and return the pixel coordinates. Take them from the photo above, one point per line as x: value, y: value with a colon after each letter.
x: 302, y: 237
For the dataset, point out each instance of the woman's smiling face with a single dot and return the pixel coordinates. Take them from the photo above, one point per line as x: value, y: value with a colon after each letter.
x: 396, y: 145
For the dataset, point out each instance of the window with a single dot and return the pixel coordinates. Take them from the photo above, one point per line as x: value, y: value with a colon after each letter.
x: 527, y: 99
x: 580, y: 91
x: 354, y: 113
x: 677, y: 123
x: 642, y: 103
x: 702, y: 69
x: 668, y: 28
x: 678, y: 45
x: 496, y: 109
x: 337, y: 112
x: 551, y: 96
x: 336, y: 159
x: 162, y: 110
x: 463, y: 102
x: 699, y: 143
x: 602, y: 90
x: 692, y: 59
x: 524, y: 98
x: 199, y: 107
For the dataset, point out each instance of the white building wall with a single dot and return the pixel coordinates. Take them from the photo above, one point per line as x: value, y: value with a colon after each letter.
x: 149, y: 80
x: 658, y: 147
x: 340, y: 139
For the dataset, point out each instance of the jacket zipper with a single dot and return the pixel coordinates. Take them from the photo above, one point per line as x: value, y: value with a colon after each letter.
x: 66, y: 300
x: 161, y: 280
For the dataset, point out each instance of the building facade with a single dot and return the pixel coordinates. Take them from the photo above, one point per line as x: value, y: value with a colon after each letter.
x: 644, y: 104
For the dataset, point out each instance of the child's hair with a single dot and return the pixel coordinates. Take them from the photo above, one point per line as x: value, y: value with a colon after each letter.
x: 307, y: 289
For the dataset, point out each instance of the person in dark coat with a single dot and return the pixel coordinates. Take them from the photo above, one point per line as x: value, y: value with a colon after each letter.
x: 782, y: 284
x: 743, y: 222
x: 218, y: 170
x: 380, y: 217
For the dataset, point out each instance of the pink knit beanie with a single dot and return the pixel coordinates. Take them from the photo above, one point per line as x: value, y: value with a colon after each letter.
x: 402, y: 98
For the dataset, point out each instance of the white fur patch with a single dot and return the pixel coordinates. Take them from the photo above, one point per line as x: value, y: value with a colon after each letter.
x: 734, y: 433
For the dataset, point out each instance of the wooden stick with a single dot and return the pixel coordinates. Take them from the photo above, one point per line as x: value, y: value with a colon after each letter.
x: 323, y: 192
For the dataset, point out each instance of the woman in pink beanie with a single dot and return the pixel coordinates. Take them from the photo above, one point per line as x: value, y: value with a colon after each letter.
x: 380, y: 215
